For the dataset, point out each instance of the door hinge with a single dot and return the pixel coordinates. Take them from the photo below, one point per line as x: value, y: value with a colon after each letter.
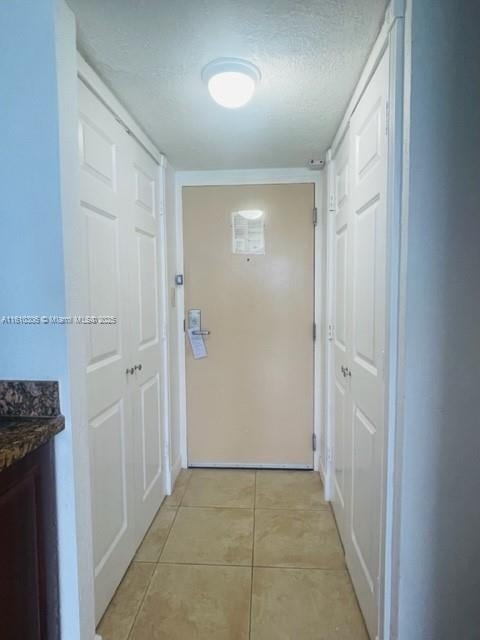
x: 184, y: 325
x: 330, y: 332
x: 315, y: 216
x: 387, y: 117
x: 314, y: 331
x: 329, y: 455
x: 314, y: 441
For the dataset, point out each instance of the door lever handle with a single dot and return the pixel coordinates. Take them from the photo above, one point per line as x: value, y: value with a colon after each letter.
x: 201, y: 332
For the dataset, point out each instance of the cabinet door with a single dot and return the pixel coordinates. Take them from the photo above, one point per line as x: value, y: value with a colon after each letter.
x: 147, y: 334
x: 103, y: 205
x: 28, y: 549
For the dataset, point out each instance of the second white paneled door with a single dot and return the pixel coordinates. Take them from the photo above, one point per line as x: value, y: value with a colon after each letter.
x: 119, y: 194
x: 147, y: 334
x: 360, y: 186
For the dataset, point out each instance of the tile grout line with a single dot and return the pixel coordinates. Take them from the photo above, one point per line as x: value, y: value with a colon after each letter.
x: 217, y: 508
x: 247, y: 566
x: 147, y: 588
x: 167, y: 536
x: 177, y: 509
x: 253, y: 554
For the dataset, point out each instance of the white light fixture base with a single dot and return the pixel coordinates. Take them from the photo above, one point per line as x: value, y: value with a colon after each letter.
x: 231, y: 81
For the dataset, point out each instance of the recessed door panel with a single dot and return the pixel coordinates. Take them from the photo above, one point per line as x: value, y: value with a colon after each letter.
x: 147, y: 289
x: 340, y: 289
x: 103, y: 282
x: 342, y: 186
x: 151, y: 442
x: 145, y: 191
x: 368, y: 141
x: 97, y: 152
x: 364, y: 496
x: 109, y: 481
x: 340, y: 457
x: 364, y: 286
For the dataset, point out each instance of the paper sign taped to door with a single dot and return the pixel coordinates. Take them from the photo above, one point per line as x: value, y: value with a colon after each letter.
x: 197, y: 345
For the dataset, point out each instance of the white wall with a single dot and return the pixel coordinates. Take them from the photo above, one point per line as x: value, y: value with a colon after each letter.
x: 440, y: 516
x: 35, y: 110
x: 170, y: 208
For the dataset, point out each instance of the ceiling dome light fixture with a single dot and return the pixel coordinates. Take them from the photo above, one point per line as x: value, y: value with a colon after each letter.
x: 231, y: 81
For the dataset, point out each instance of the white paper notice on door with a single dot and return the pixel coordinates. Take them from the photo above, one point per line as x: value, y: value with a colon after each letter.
x: 197, y: 345
x: 248, y: 232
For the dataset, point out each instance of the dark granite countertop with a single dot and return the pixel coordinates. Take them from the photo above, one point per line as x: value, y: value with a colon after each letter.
x: 20, y: 436
x: 29, y: 417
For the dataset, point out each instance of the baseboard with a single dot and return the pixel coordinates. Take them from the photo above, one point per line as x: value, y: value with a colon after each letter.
x: 176, y: 468
x: 321, y: 470
x: 250, y: 465
x: 323, y: 477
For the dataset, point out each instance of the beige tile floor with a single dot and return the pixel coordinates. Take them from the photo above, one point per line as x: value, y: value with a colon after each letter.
x: 238, y: 555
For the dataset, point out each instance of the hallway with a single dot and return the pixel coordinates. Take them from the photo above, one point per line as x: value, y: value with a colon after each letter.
x: 238, y: 554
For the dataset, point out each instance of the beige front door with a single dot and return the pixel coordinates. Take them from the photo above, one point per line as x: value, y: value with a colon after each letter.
x: 249, y: 268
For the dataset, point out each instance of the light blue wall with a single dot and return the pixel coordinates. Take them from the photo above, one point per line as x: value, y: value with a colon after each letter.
x: 440, y: 520
x: 31, y: 255
x: 37, y: 69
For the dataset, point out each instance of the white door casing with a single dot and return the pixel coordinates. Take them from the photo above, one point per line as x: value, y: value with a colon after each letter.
x: 119, y: 202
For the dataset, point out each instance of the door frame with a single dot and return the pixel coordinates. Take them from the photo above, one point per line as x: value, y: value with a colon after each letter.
x: 245, y: 177
x: 391, y: 36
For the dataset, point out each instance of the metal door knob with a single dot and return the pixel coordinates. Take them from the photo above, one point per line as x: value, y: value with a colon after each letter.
x: 130, y: 371
x: 138, y: 366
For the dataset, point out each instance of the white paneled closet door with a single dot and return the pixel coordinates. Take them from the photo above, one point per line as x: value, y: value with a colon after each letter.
x: 147, y: 340
x: 119, y: 188
x: 103, y: 204
x: 360, y: 183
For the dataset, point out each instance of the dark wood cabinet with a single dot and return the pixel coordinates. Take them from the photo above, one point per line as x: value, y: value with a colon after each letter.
x: 28, y: 549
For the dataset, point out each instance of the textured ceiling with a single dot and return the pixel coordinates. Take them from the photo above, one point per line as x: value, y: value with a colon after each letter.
x: 310, y: 53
